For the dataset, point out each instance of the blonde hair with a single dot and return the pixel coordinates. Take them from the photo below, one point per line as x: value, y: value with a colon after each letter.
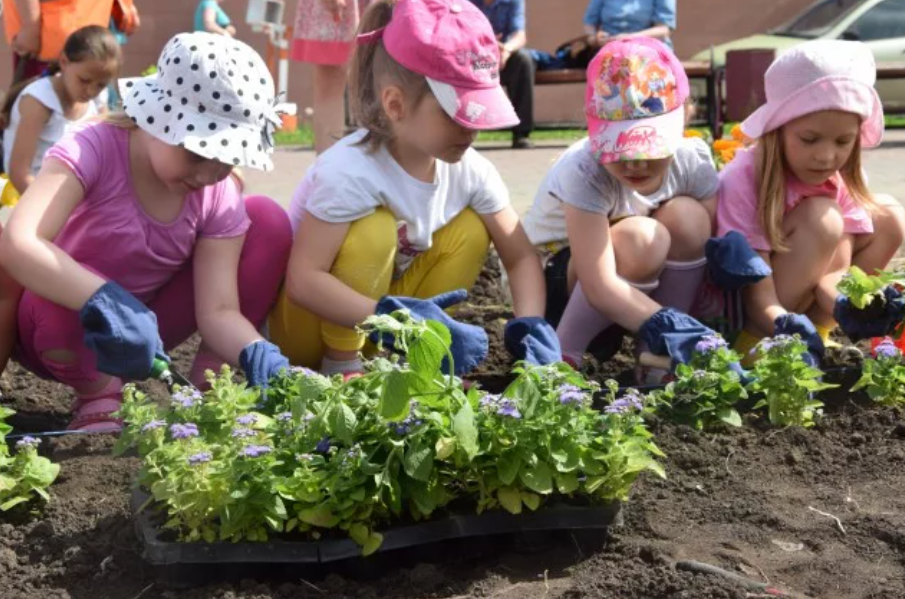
x: 771, y: 175
x: 124, y: 121
x: 371, y: 69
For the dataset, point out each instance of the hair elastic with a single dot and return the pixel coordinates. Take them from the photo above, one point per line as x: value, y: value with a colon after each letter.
x: 371, y: 37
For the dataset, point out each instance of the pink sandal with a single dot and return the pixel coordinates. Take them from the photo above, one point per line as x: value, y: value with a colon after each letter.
x: 95, y: 415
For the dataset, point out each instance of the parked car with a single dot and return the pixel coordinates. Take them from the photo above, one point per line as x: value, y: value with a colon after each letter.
x: 878, y: 23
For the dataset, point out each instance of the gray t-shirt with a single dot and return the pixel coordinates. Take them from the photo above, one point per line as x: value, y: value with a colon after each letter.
x: 579, y: 180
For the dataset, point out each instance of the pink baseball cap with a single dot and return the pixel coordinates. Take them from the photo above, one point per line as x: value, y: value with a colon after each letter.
x: 635, y: 101
x: 452, y: 44
x: 821, y: 75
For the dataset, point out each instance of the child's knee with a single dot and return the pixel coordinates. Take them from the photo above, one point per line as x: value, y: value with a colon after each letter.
x: 889, y: 221
x: 270, y: 221
x: 641, y: 246
x: 466, y: 234
x: 365, y: 259
x: 821, y: 218
x: 689, y: 225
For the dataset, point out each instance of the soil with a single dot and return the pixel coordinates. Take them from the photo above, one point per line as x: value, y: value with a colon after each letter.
x: 757, y: 501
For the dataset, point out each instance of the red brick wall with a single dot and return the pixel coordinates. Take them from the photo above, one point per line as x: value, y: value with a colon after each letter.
x: 701, y: 23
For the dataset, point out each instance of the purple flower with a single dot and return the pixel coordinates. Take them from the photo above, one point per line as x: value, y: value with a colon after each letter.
x: 200, y: 458
x: 778, y: 341
x: 186, y: 397
x: 254, y: 451
x: 242, y: 433
x: 323, y: 446
x: 27, y: 443
x: 153, y: 425
x: 184, y: 431
x: 284, y: 416
x: 887, y: 349
x: 247, y: 419
x: 710, y: 343
x: 507, y: 407
x: 403, y: 427
x: 631, y: 401
x: 489, y: 401
x: 570, y: 394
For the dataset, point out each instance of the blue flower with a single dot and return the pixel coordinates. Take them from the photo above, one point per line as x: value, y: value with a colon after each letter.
x: 184, y: 431
x: 323, y: 446
x: 242, y: 433
x: 570, y: 394
x: 27, y: 443
x: 284, y: 416
x: 153, y: 425
x: 778, y: 341
x: 247, y: 419
x: 186, y: 397
x: 710, y: 343
x: 403, y: 427
x: 507, y: 407
x: 254, y: 451
x: 887, y: 349
x: 631, y: 401
x: 200, y: 458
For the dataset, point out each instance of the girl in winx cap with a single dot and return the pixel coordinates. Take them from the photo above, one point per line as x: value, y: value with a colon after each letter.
x: 801, y: 199
x: 622, y: 218
x: 134, y: 235
x: 401, y: 212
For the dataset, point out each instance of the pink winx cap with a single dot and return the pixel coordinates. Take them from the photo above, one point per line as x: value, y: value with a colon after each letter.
x: 452, y: 44
x: 635, y: 101
x: 821, y: 75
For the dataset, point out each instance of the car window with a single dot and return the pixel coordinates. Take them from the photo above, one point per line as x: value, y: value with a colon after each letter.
x: 884, y: 21
x: 819, y: 18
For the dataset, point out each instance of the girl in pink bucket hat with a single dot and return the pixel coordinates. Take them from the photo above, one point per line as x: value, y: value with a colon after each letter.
x: 400, y: 213
x: 623, y: 216
x: 800, y: 198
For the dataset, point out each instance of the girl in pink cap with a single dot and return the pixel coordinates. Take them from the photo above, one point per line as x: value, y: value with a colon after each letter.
x: 134, y: 235
x: 800, y: 196
x: 401, y: 212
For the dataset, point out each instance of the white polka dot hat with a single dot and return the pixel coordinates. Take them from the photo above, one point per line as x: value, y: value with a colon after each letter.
x: 212, y: 95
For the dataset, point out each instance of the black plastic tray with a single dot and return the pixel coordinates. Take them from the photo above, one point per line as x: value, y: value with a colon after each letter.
x: 552, y: 518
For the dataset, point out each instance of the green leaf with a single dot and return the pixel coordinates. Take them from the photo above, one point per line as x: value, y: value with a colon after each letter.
x: 319, y: 516
x: 730, y: 416
x: 567, y: 483
x: 394, y: 401
x: 419, y: 461
x: 359, y: 533
x: 375, y: 540
x: 343, y: 423
x: 466, y: 432
x: 511, y: 499
x: 424, y: 499
x: 12, y: 503
x: 508, y: 467
x: 427, y: 351
x: 445, y: 447
x: 538, y: 477
x: 531, y: 501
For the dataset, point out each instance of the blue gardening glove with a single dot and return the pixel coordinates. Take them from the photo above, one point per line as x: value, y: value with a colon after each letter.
x: 122, y: 332
x: 732, y: 262
x: 261, y: 361
x: 469, y: 343
x: 673, y: 333
x: 531, y: 338
x: 869, y: 322
x: 790, y: 324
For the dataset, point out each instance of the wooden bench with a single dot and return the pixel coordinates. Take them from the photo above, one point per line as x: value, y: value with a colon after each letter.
x: 694, y: 70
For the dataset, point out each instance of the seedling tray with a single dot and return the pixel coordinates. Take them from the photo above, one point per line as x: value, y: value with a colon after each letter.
x: 161, y: 552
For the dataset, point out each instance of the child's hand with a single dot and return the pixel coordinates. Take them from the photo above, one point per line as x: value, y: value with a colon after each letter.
x: 531, y: 338
x: 858, y: 325
x: 674, y: 334
x: 261, y: 361
x: 337, y: 7
x: 122, y: 332
x: 792, y: 324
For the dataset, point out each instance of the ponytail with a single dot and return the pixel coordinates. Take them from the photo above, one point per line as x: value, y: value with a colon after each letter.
x: 9, y: 100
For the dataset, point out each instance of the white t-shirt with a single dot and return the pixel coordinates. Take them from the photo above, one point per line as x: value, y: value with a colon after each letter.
x: 349, y: 182
x: 57, y: 126
x: 577, y: 178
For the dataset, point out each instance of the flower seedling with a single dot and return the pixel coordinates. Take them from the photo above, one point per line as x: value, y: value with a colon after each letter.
x: 25, y: 473
x: 865, y: 291
x: 787, y: 382
x: 884, y: 376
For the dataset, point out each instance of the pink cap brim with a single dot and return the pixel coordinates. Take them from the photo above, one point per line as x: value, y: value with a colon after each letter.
x: 829, y: 93
x: 639, y: 139
x: 477, y: 109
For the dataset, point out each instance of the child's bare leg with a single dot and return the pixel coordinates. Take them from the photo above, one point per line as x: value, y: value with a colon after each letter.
x: 874, y: 251
x: 329, y: 107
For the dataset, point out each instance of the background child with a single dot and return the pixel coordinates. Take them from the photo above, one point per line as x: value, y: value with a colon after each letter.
x: 10, y: 290
x: 801, y: 200
x: 405, y: 206
x: 323, y: 36
x: 622, y: 216
x: 39, y: 112
x: 133, y: 221
x: 210, y: 17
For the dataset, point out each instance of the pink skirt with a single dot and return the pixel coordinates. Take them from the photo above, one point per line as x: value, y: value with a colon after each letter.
x: 321, y: 38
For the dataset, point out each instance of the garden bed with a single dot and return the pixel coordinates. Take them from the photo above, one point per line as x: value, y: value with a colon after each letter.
x: 738, y: 498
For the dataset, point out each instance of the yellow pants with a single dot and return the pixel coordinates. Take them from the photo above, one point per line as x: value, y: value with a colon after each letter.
x: 365, y: 263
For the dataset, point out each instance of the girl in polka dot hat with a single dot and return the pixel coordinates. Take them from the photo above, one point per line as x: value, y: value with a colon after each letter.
x: 400, y: 213
x: 135, y: 235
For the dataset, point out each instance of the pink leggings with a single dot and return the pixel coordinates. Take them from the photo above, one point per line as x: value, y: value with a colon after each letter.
x: 45, y: 326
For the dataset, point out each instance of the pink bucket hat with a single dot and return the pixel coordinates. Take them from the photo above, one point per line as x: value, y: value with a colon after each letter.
x: 635, y: 101
x: 452, y: 44
x: 821, y: 75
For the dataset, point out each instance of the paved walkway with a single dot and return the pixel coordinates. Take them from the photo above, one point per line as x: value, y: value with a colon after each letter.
x: 523, y: 170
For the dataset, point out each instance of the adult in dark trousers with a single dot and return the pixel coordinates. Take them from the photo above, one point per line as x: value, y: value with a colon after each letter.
x: 507, y: 17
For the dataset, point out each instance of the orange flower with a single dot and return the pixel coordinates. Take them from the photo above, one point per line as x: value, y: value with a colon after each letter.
x: 737, y: 134
x: 693, y: 133
x: 726, y: 144
x: 727, y: 155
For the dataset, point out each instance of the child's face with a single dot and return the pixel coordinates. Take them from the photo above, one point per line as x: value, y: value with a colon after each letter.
x: 817, y: 145
x: 428, y: 128
x: 86, y: 79
x: 643, y: 176
x: 182, y: 171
